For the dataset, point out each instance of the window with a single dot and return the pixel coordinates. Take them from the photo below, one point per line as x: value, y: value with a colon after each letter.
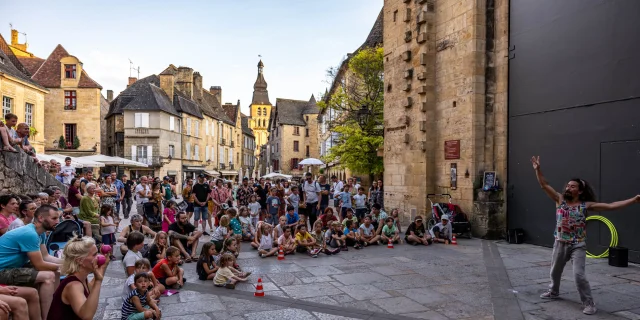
x: 179, y: 125
x: 188, y: 147
x: 141, y: 153
x: 189, y: 126
x: 172, y: 124
x: 206, y: 127
x: 306, y: 132
x: 277, y: 147
x: 141, y: 120
x: 197, y: 125
x: 294, y: 163
x: 296, y: 131
x: 206, y: 153
x: 307, y: 153
x: 70, y: 71
x: 70, y: 100
x: 259, y: 113
x: 221, y: 156
x: 28, y: 114
x: 70, y: 131
x: 172, y: 151
x: 230, y: 157
x: 226, y: 156
x: 196, y: 152
x: 296, y: 146
x: 395, y: 15
x: 6, y: 106
x: 2, y: 60
x: 306, y: 118
x: 264, y: 111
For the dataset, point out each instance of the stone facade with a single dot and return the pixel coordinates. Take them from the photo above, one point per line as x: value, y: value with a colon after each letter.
x: 20, y: 93
x: 20, y: 175
x: 445, y: 80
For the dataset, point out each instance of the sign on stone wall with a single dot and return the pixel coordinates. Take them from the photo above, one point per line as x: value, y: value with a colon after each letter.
x: 452, y: 149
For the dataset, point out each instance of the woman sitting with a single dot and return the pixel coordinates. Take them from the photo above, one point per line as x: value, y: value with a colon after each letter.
x: 136, y: 225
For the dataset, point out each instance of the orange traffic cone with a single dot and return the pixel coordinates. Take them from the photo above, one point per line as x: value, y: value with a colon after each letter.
x: 280, y: 254
x: 453, y: 241
x: 390, y: 245
x: 259, y: 291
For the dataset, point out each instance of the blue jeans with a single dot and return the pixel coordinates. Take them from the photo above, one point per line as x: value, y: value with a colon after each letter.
x: 272, y: 219
x: 197, y: 211
x: 117, y: 212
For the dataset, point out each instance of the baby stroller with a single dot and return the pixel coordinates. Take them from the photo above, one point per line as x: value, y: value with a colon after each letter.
x: 458, y: 219
x: 64, y: 231
x: 153, y: 215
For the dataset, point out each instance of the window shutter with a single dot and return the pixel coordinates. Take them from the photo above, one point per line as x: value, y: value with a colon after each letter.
x: 196, y: 152
x: 145, y: 120
x: 206, y: 127
x: 172, y: 125
x: 133, y: 153
x: 188, y: 151
x: 149, y: 154
x: 206, y: 152
x: 137, y: 120
x: 231, y: 157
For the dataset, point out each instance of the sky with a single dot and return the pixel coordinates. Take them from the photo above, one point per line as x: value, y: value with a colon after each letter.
x: 297, y: 39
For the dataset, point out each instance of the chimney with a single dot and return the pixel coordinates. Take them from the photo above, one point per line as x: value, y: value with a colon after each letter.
x: 197, y: 85
x: 216, y: 91
x: 132, y: 80
x: 109, y: 95
x: 184, y: 81
x: 14, y: 37
x: 167, y: 83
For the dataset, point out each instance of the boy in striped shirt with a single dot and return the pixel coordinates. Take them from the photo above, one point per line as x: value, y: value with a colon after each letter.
x: 138, y: 306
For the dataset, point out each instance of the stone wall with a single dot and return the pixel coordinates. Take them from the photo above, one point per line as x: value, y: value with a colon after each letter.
x: 20, y: 175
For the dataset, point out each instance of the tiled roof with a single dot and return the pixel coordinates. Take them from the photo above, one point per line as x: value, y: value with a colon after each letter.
x: 32, y: 64
x: 183, y: 104
x: 245, y: 125
x: 49, y: 73
x: 260, y: 93
x: 144, y: 94
x: 231, y: 110
x: 211, y: 107
x: 291, y: 112
x: 12, y: 65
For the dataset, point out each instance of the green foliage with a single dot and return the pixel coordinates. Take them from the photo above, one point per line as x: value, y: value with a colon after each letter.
x: 32, y: 131
x: 61, y: 143
x: 76, y: 142
x: 360, y: 88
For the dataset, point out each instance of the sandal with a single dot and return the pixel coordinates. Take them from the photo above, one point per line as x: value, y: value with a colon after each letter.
x: 181, y: 262
x: 187, y: 260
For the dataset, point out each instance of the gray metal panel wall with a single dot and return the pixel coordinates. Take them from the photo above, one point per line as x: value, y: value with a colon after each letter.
x: 574, y: 83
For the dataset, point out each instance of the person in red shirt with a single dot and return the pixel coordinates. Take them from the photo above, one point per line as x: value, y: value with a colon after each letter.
x: 327, y: 218
x: 167, y: 271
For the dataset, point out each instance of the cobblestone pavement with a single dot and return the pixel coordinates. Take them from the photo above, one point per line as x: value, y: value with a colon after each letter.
x: 474, y: 280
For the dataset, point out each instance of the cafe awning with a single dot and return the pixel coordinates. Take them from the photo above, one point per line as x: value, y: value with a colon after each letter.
x: 212, y: 173
x: 228, y: 173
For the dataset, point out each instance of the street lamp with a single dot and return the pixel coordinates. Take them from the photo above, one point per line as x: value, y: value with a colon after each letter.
x: 363, y: 116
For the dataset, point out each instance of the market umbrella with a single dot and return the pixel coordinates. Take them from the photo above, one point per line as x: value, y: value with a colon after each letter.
x: 75, y: 161
x: 311, y: 162
x: 114, y: 161
x: 275, y: 175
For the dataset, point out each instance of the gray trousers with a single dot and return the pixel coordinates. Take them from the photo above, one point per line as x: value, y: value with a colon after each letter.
x: 577, y: 253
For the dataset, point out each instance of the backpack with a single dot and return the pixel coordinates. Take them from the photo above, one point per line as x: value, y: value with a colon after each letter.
x: 153, y: 215
x: 64, y: 231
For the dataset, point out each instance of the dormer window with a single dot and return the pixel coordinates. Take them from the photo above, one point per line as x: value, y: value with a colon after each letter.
x: 70, y: 71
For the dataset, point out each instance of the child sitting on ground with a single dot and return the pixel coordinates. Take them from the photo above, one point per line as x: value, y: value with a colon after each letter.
x: 318, y: 235
x: 265, y: 246
x: 305, y: 242
x: 395, y: 214
x: 155, y: 288
x: 248, y: 231
x: 334, y: 238
x: 304, y: 221
x: 226, y: 275
x: 352, y: 235
x: 235, y: 227
x: 167, y: 271
x: 207, y: 267
x: 221, y: 233
x: 292, y: 217
x: 287, y: 242
x: 367, y: 232
x: 389, y: 232
x: 442, y: 232
x: 138, y: 304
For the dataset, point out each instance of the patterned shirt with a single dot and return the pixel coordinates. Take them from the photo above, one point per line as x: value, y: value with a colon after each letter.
x: 571, y: 222
x: 128, y: 308
x: 243, y: 195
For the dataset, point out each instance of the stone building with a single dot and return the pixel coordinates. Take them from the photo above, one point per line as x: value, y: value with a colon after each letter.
x: 248, y: 148
x: 445, y: 99
x: 260, y: 110
x: 20, y: 94
x: 293, y: 128
x: 72, y: 107
x: 171, y: 123
x: 342, y: 81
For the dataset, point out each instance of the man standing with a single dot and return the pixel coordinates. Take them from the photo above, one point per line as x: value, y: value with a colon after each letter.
x: 336, y: 189
x: 202, y: 193
x: 143, y: 192
x: 183, y: 235
x: 126, y: 195
x: 27, y: 244
x: 261, y: 191
x: 311, y: 197
x: 119, y: 192
x: 67, y: 171
x: 244, y: 193
x: 88, y: 178
x: 572, y: 208
x: 187, y: 196
x: 168, y: 190
x: 324, y: 194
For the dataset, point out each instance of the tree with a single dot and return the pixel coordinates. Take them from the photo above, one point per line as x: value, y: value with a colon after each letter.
x: 76, y: 142
x: 358, y: 102
x: 61, y: 143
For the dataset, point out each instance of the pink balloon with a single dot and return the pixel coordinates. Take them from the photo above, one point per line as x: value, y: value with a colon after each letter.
x: 101, y: 259
x: 105, y: 249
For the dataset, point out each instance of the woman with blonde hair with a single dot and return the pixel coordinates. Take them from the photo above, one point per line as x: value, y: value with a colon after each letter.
x: 76, y: 298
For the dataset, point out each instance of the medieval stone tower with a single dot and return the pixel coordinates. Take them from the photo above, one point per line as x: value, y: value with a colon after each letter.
x: 260, y: 110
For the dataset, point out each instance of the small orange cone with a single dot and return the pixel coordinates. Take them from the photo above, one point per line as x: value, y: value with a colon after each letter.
x: 390, y: 245
x: 453, y: 241
x: 280, y: 254
x: 259, y: 291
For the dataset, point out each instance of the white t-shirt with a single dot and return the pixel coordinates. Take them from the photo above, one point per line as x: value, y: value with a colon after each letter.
x: 311, y: 191
x: 255, y: 208
x: 337, y: 188
x: 127, y: 287
x: 147, y: 190
x: 219, y: 234
x: 130, y: 258
x: 360, y: 200
x: 266, y: 242
x: 367, y: 231
x: 70, y: 171
x: 17, y: 223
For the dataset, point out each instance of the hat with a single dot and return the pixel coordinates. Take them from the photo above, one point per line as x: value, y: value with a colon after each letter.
x: 444, y: 217
x: 166, y: 178
x: 245, y: 179
x: 201, y: 175
x: 225, y: 206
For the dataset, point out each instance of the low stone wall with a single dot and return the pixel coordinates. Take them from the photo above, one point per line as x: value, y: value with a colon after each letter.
x: 489, y: 216
x: 19, y: 174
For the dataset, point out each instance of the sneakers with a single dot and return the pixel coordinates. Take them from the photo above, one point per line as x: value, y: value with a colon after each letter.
x: 549, y: 295
x: 589, y: 308
x: 263, y: 255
